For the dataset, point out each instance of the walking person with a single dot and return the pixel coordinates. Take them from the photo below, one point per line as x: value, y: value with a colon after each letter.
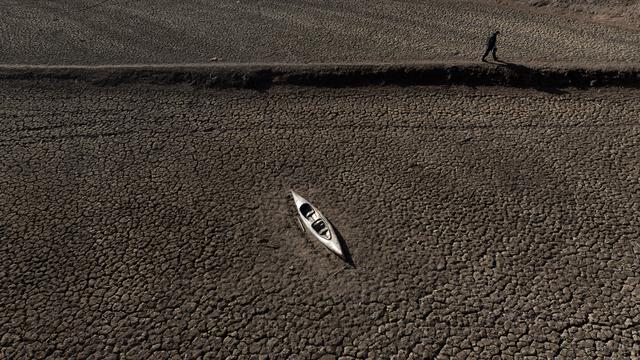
x: 491, y: 46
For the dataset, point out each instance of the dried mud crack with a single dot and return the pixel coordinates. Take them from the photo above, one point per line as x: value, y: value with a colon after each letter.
x: 484, y: 222
x: 144, y: 31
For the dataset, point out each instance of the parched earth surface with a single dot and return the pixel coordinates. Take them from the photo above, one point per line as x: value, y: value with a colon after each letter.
x: 154, y: 222
x: 153, y: 31
x: 625, y: 13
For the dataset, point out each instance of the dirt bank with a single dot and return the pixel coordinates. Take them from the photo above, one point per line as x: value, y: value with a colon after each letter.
x: 262, y: 76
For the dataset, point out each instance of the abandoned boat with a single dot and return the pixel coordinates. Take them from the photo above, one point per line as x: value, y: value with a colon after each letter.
x: 314, y: 222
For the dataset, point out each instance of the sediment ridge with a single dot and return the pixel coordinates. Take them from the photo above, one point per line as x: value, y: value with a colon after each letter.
x: 263, y: 76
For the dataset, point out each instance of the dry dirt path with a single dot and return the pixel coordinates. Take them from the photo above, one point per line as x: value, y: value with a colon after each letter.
x: 151, y: 222
x: 194, y: 31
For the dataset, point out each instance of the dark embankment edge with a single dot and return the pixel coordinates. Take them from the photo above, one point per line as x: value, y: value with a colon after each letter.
x: 263, y: 76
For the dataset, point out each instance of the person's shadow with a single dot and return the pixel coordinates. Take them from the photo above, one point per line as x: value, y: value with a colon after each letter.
x: 524, y: 71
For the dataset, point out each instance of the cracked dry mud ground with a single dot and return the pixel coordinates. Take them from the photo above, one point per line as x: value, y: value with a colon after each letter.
x: 150, y: 222
x: 154, y: 31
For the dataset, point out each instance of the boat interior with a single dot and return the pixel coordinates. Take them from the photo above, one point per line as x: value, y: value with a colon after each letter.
x: 318, y: 225
x: 307, y: 211
x: 321, y: 228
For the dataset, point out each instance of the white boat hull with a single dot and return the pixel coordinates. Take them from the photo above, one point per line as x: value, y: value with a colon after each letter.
x: 316, y: 224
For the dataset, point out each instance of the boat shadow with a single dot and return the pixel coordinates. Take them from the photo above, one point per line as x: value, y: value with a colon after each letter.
x: 346, y: 254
